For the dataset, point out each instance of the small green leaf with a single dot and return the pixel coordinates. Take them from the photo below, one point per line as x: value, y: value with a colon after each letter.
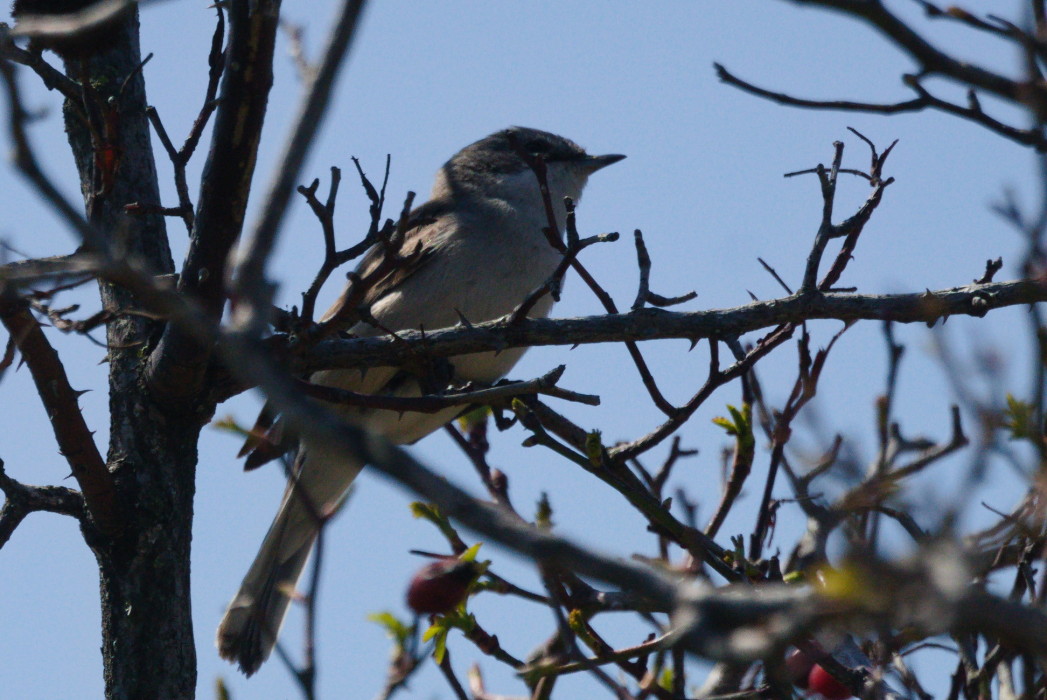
x: 1018, y: 418
x: 440, y: 649
x: 438, y: 633
x: 424, y: 510
x: 229, y: 424
x: 740, y: 425
x: 393, y: 626
x: 470, y: 554
x: 434, y: 629
x: 726, y: 424
x: 431, y: 512
x: 576, y: 621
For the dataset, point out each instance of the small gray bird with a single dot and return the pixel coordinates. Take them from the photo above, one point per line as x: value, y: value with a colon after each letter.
x: 481, y: 250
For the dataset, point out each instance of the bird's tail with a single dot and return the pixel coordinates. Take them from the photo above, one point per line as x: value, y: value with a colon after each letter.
x: 251, y: 624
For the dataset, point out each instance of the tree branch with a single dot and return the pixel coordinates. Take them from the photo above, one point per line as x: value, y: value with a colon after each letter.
x: 177, y: 365
x: 656, y: 324
x: 22, y: 499
x: 924, y: 100
x: 75, y: 439
x: 931, y: 59
x: 250, y: 282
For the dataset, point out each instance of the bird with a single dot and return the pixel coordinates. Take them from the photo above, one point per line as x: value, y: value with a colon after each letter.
x: 474, y: 250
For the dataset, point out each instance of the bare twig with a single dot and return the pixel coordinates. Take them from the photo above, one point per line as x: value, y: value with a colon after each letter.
x: 250, y: 283
x: 26, y: 162
x: 177, y: 365
x: 804, y: 389
x: 334, y: 258
x: 613, y: 657
x: 537, y: 165
x: 452, y: 679
x: 180, y: 157
x: 644, y: 295
x: 991, y: 268
x: 52, y: 78
x: 21, y: 500
x: 924, y: 100
x: 324, y: 213
x: 75, y: 439
x: 434, y: 403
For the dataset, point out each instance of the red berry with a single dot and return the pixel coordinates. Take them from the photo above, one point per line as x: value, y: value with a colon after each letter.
x: 440, y: 586
x: 819, y: 681
x: 798, y: 666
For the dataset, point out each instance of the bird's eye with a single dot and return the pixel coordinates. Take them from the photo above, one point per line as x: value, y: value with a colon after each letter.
x: 547, y: 151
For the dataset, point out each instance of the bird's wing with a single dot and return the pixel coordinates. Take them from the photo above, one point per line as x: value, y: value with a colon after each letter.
x: 423, y: 228
x: 268, y: 440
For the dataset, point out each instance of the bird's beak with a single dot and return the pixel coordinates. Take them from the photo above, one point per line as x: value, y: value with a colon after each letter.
x: 594, y: 163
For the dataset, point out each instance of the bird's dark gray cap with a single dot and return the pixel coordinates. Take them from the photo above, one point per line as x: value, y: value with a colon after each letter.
x: 498, y: 154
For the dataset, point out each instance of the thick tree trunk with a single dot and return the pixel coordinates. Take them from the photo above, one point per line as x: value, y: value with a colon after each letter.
x: 147, y: 635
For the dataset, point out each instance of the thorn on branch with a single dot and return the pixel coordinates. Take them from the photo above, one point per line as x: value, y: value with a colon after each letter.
x: 774, y: 273
x: 973, y: 103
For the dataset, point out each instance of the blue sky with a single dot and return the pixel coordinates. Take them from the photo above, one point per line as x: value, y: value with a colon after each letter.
x: 703, y: 180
